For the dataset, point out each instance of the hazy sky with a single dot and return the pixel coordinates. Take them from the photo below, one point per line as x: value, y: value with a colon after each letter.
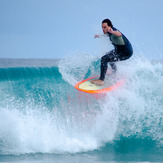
x: 57, y: 28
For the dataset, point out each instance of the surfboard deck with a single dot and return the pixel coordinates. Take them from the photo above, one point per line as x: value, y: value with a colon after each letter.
x: 88, y: 87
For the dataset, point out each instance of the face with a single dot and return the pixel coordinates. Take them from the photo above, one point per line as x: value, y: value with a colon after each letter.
x: 105, y: 27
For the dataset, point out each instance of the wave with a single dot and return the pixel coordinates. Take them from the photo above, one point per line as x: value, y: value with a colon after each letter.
x: 41, y: 112
x: 16, y: 73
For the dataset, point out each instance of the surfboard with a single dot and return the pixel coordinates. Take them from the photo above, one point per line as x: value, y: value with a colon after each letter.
x: 88, y: 87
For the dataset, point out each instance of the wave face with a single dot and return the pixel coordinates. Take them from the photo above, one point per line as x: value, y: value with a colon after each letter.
x: 41, y: 112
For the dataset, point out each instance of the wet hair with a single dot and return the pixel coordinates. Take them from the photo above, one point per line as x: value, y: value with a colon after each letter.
x: 108, y: 22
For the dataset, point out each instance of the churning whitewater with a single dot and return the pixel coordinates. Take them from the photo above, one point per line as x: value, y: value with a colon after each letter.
x: 42, y: 112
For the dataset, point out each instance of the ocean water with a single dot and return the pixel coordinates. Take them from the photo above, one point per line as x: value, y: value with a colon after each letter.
x: 43, y: 118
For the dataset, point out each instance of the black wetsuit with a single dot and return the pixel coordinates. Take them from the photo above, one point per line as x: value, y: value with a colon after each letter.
x: 123, y: 50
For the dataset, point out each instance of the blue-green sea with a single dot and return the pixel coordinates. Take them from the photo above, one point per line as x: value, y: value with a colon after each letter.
x: 43, y: 118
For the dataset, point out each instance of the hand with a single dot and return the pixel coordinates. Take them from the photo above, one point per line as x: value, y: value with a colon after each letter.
x: 116, y: 33
x: 110, y: 30
x: 96, y: 36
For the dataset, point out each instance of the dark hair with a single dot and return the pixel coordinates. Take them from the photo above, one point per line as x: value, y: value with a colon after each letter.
x: 108, y: 22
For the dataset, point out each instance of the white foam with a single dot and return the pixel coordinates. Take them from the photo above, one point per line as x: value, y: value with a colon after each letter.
x: 73, y: 69
x: 87, y: 122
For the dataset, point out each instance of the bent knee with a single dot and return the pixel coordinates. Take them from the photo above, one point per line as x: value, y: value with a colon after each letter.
x: 104, y: 59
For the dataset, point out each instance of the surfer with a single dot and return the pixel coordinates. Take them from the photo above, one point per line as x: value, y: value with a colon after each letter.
x: 122, y: 49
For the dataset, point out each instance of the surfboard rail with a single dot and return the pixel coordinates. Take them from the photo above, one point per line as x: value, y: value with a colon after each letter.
x: 117, y: 84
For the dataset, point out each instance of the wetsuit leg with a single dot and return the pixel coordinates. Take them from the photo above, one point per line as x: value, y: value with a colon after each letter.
x: 113, y: 66
x: 109, y: 57
x: 112, y: 57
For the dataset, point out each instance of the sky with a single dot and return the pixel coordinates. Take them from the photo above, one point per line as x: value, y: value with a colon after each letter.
x: 59, y: 28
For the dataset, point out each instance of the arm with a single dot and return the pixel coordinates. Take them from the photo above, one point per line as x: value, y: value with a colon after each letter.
x: 116, y: 33
x: 98, y: 36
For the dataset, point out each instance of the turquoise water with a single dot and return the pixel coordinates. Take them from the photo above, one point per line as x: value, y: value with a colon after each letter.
x: 43, y: 118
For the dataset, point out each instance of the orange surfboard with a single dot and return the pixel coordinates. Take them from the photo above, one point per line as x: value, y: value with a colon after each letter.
x: 88, y: 87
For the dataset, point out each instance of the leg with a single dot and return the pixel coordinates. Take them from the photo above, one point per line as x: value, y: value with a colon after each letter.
x: 113, y: 66
x: 112, y: 57
x: 109, y: 57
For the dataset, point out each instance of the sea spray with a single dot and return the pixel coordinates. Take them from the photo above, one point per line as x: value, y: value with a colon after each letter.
x: 41, y: 111
x: 76, y: 68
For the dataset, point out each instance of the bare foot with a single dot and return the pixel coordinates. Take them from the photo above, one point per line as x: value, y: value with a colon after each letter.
x: 98, y: 82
